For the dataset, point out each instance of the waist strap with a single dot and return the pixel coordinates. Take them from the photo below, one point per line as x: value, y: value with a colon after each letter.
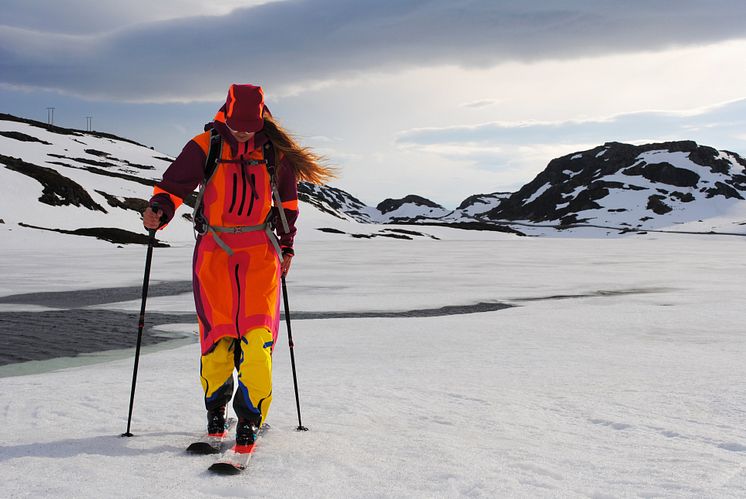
x: 266, y: 227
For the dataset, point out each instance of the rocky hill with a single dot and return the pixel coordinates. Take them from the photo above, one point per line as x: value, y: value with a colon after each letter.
x: 96, y: 184
x: 622, y: 185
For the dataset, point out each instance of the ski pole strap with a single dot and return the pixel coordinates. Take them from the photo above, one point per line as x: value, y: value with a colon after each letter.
x: 266, y: 227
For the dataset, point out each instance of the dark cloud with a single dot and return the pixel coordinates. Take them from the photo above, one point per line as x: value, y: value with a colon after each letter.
x: 292, y: 43
x: 70, y: 16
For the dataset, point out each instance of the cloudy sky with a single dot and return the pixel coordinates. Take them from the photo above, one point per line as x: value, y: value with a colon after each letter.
x: 442, y: 98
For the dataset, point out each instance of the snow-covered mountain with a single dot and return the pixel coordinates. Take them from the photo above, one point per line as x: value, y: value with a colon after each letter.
x: 71, y: 181
x: 477, y: 205
x: 96, y: 184
x: 649, y: 186
x: 409, y: 208
x: 337, y: 203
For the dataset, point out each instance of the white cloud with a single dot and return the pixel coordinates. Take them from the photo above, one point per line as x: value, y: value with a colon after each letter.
x: 480, y: 103
x: 725, y: 120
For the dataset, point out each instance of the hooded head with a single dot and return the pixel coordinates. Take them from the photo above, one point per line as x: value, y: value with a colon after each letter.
x: 244, y: 108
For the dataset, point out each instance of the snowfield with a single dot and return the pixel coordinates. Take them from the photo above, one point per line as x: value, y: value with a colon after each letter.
x: 618, y: 372
x: 615, y: 370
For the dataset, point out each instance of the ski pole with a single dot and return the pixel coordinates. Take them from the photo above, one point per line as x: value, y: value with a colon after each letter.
x: 292, y: 354
x: 141, y: 323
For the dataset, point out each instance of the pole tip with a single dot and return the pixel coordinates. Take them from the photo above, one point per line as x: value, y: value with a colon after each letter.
x: 301, y: 428
x: 128, y: 434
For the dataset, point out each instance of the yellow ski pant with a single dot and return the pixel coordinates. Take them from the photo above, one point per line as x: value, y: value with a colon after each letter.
x: 251, y: 356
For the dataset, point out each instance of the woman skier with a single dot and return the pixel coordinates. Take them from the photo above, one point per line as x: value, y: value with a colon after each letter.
x: 244, y: 162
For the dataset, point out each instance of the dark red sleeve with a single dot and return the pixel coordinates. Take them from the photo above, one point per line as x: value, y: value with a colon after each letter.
x: 287, y: 185
x: 180, y: 179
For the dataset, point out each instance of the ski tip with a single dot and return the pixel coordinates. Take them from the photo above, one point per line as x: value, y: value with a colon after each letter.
x: 202, y: 448
x: 224, y: 469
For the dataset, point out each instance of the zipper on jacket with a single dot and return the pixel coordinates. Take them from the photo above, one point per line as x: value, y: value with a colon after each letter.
x: 238, y: 302
x: 243, y: 193
x: 254, y: 194
x: 235, y: 186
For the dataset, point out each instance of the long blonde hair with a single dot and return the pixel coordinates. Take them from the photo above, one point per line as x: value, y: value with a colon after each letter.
x: 308, y: 165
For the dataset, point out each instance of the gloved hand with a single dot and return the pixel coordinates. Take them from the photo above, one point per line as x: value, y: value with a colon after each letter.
x: 287, y: 259
x: 151, y: 218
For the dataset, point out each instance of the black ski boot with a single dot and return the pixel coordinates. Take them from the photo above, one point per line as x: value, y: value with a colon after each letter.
x: 246, y: 431
x: 216, y: 421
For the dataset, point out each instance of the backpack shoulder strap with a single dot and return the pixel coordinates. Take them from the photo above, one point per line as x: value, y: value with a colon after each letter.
x: 270, y: 158
x: 211, y: 163
x: 216, y: 144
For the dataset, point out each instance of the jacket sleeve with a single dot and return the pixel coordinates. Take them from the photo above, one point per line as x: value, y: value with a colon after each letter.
x: 180, y: 179
x: 287, y: 185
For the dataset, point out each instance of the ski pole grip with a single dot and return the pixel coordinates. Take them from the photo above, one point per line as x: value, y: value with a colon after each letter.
x: 156, y: 207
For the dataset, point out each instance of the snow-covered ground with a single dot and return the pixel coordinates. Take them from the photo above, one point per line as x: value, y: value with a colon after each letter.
x: 618, y: 373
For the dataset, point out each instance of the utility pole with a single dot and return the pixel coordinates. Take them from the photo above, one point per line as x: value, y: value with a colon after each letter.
x: 50, y: 115
x: 89, y: 123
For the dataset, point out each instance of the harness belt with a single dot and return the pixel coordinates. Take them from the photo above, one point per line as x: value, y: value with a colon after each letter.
x: 266, y: 227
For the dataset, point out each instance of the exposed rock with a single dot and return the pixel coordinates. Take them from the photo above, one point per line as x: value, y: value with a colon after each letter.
x: 138, y: 166
x: 58, y: 189
x: 94, y: 152
x: 394, y: 236
x: 687, y: 197
x: 656, y: 204
x: 665, y: 173
x: 484, y: 199
x: 107, y: 173
x: 488, y: 226
x: 134, y: 204
x: 24, y: 138
x: 724, y: 190
x: 110, y: 234
x: 85, y: 161
x: 389, y: 205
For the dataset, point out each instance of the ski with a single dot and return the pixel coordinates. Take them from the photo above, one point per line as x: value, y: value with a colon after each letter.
x: 236, y: 459
x: 211, y: 443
